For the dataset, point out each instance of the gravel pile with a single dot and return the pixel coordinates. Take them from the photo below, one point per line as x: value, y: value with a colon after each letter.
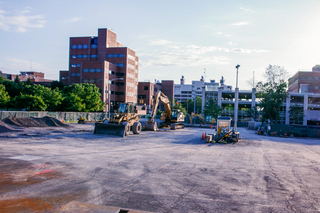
x: 7, y: 128
x: 34, y: 122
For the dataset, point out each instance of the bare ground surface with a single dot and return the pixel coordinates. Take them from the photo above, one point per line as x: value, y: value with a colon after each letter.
x: 42, y: 169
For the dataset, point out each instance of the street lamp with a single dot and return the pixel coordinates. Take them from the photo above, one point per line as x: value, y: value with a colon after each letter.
x: 236, y: 101
x: 109, y: 93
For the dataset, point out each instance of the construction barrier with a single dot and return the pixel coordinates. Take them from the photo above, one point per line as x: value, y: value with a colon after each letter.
x: 296, y: 130
x: 62, y: 116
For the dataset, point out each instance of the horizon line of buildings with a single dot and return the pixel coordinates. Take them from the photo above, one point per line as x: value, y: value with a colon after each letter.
x: 114, y: 69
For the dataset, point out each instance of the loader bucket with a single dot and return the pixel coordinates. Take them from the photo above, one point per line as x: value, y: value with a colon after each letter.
x: 110, y: 129
x: 151, y: 126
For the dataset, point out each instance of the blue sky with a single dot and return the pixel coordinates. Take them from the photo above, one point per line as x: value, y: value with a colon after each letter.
x: 172, y: 38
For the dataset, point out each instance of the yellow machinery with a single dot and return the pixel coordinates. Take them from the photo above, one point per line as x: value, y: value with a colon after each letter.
x: 193, y: 115
x: 172, y: 118
x: 121, y: 123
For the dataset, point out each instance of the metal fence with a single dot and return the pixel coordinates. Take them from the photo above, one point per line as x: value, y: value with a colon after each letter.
x: 62, y: 116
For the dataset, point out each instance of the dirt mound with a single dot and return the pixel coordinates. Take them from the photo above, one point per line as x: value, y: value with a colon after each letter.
x: 7, y: 128
x: 34, y: 122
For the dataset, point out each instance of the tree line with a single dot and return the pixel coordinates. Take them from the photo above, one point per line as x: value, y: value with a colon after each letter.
x: 16, y: 95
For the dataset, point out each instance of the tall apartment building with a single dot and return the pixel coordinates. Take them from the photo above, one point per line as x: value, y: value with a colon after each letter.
x: 305, y: 81
x: 103, y: 61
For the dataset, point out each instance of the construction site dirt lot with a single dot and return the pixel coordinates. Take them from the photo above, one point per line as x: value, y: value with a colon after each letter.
x: 42, y: 169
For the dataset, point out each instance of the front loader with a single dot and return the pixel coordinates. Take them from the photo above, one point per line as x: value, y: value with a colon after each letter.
x: 121, y: 123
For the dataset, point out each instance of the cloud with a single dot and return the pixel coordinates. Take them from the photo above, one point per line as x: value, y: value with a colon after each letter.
x: 75, y: 19
x: 240, y: 23
x: 159, y: 42
x: 248, y: 50
x: 21, y: 22
x: 245, y: 9
x: 232, y: 44
x: 14, y: 66
x: 192, y: 55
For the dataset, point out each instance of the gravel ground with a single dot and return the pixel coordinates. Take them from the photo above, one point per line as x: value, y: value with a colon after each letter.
x: 42, y: 169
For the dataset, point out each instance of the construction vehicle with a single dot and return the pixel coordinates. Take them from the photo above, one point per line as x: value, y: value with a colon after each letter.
x: 224, y: 134
x: 120, y: 123
x: 194, y: 115
x: 172, y: 118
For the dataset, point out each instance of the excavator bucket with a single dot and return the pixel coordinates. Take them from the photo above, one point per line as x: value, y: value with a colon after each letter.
x: 110, y: 129
x: 151, y: 126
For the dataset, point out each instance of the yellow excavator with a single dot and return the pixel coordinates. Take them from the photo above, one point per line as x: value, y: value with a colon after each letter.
x: 172, y: 118
x: 120, y: 123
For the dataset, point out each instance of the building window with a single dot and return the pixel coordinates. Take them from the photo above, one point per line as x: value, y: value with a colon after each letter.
x: 74, y: 46
x: 85, y: 70
x: 79, y: 46
x: 155, y: 89
x: 119, y: 83
x: 317, y: 78
x: 85, y: 46
x: 310, y: 78
x: 119, y: 93
x: 74, y: 74
x: 93, y: 56
x: 310, y: 87
x: 79, y: 56
x: 73, y: 56
x: 146, y: 87
x: 140, y: 101
x: 91, y: 70
x: 119, y: 74
x: 303, y: 77
x: 142, y: 96
x: 75, y: 65
x: 109, y: 55
x: 94, y: 46
x: 316, y: 87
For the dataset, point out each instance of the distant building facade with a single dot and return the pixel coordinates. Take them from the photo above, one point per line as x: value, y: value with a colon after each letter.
x: 305, y: 81
x: 35, y: 77
x: 184, y: 92
x: 103, y: 61
x: 147, y: 90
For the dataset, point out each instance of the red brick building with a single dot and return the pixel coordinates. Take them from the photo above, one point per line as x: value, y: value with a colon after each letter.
x: 147, y: 90
x: 312, y: 79
x: 102, y: 60
x: 36, y: 77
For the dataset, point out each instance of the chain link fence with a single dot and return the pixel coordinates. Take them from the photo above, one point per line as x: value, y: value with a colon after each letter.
x: 61, y: 116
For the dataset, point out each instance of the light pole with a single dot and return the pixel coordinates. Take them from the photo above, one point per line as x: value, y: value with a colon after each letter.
x: 236, y: 101
x: 109, y: 93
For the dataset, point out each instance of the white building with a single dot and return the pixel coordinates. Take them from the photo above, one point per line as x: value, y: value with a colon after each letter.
x: 184, y: 92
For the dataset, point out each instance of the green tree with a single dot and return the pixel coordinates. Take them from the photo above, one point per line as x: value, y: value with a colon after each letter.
x: 56, y: 84
x: 189, y: 105
x: 29, y: 81
x: 212, y: 109
x: 82, y: 97
x: 12, y: 88
x: 29, y: 102
x: 52, y: 98
x: 296, y: 114
x: 17, y: 80
x: 4, y: 97
x: 272, y: 93
x: 272, y: 96
x: 180, y: 107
